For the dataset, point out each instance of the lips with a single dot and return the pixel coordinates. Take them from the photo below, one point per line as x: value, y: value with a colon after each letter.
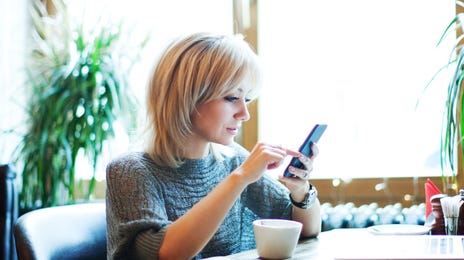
x: 233, y: 130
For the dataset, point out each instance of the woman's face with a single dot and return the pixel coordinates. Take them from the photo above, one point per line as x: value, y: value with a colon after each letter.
x: 219, y: 121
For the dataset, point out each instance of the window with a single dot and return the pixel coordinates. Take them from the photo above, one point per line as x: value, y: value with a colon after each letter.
x: 164, y: 20
x: 361, y: 67
x: 13, y: 32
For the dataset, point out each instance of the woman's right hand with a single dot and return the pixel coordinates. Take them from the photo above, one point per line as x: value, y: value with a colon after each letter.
x: 263, y: 157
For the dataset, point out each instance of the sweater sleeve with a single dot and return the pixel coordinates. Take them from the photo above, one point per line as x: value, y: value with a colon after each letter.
x: 268, y: 198
x: 136, y: 219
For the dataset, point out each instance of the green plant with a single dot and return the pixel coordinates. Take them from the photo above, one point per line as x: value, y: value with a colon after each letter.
x: 78, y: 83
x: 451, y: 150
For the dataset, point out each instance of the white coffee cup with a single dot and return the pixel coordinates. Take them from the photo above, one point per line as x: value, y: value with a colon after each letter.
x: 276, y: 238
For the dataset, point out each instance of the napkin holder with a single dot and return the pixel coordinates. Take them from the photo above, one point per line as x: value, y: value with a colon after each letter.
x: 438, y: 223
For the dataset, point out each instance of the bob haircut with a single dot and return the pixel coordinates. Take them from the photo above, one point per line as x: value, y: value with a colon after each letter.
x: 194, y: 69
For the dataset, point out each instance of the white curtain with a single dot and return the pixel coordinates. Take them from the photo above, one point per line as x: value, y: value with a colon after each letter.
x: 13, y: 35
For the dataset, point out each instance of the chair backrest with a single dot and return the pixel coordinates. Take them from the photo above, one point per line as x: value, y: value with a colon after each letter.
x: 64, y: 232
x: 8, y: 211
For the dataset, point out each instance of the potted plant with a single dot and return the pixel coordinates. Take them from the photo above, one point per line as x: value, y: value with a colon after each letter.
x: 78, y: 88
x: 451, y: 150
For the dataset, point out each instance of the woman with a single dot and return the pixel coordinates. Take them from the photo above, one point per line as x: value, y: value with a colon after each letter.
x: 194, y: 192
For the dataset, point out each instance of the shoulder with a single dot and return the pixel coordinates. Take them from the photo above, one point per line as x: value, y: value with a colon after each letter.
x: 129, y: 162
x: 132, y: 158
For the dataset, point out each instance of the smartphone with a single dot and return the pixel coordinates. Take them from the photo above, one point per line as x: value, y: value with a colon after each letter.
x: 305, y: 148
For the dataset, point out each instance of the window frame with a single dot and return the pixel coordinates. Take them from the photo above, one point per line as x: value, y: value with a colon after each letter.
x: 405, y: 190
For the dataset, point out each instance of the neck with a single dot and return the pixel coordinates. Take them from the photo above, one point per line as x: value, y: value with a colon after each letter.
x: 196, y: 151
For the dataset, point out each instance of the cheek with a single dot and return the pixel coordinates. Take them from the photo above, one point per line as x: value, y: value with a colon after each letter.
x: 212, y: 114
x: 205, y: 120
x: 219, y: 113
x: 215, y: 111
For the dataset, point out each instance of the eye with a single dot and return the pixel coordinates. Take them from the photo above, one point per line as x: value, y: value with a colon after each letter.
x: 234, y: 99
x: 231, y: 98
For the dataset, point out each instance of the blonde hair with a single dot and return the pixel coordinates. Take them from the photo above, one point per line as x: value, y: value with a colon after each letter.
x: 194, y: 69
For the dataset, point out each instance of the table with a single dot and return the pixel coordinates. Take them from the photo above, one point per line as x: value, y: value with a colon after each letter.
x: 315, y: 248
x: 359, y: 243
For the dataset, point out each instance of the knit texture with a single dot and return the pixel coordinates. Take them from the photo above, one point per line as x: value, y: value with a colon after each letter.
x: 143, y: 199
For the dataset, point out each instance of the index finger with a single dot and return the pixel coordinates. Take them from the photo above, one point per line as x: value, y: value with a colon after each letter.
x: 292, y: 152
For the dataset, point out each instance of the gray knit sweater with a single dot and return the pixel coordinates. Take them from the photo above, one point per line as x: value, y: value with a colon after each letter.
x: 143, y: 199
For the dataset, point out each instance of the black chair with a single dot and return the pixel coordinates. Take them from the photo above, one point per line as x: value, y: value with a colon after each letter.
x: 64, y: 232
x: 8, y: 211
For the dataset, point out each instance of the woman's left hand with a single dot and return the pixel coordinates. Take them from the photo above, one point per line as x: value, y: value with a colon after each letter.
x: 298, y: 184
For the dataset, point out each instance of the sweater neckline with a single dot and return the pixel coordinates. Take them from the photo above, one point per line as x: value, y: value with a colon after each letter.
x: 195, y: 166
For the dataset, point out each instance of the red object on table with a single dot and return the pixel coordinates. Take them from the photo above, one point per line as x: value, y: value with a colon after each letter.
x: 430, y: 190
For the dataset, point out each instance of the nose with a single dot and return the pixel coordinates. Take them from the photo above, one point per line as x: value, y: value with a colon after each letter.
x: 243, y: 114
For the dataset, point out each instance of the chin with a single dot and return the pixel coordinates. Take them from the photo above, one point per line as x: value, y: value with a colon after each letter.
x: 226, y: 142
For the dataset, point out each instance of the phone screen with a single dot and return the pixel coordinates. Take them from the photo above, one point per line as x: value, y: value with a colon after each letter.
x: 305, y: 148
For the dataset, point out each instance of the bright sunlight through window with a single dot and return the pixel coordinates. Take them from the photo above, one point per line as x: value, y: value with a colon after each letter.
x: 360, y: 66
x: 162, y: 20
